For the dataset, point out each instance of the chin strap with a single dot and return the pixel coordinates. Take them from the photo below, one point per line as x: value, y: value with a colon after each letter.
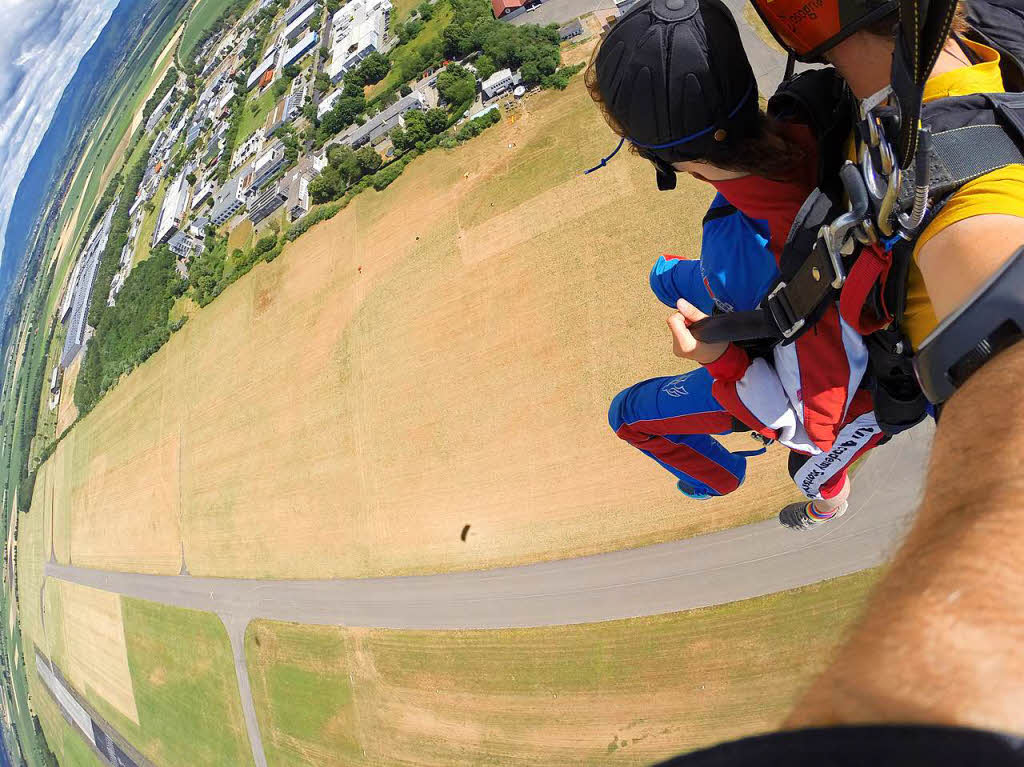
x: 604, y: 161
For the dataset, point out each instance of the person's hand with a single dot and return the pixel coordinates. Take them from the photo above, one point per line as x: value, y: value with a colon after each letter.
x: 683, y: 343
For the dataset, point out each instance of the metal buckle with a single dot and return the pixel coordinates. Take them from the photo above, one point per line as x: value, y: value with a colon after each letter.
x: 794, y: 326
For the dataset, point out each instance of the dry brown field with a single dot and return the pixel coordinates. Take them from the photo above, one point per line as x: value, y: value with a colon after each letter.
x: 439, y: 354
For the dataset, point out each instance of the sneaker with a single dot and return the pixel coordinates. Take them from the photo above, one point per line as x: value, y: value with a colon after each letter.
x: 689, y: 492
x: 799, y: 516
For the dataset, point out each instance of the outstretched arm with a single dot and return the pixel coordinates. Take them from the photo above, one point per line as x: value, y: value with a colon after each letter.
x: 942, y: 641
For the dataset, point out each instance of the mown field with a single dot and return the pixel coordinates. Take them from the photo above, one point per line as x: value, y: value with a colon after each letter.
x: 162, y: 676
x: 304, y: 425
x: 623, y: 693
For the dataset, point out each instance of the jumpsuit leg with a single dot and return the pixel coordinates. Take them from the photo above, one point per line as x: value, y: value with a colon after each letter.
x: 671, y: 419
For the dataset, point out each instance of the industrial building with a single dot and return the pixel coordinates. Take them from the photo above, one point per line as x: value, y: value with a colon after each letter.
x: 76, y: 309
x: 357, y: 30
x: 296, y: 9
x: 297, y: 185
x: 265, y: 166
x: 230, y: 200
x: 296, y: 99
x: 168, y: 220
x: 267, y: 65
x: 268, y: 201
x: 183, y: 245
x: 385, y: 121
x: 277, y: 117
x: 248, y: 148
x: 294, y: 29
x: 159, y: 111
x: 300, y: 49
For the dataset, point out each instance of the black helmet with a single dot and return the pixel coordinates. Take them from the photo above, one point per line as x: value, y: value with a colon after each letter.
x: 674, y: 75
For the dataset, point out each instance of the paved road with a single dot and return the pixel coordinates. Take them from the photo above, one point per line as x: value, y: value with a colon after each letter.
x: 735, y: 564
x: 721, y: 567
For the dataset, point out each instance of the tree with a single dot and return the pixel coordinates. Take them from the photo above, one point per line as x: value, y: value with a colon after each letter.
x: 456, y: 84
x: 436, y: 121
x: 405, y: 90
x: 327, y: 186
x: 291, y: 71
x: 425, y: 10
x: 484, y: 66
x: 279, y: 89
x: 191, y: 179
x: 332, y: 5
x: 368, y: 160
x: 343, y: 159
x: 322, y: 82
x: 373, y: 68
x: 409, y: 30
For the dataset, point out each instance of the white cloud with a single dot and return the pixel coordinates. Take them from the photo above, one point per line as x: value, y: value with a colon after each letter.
x: 41, y: 44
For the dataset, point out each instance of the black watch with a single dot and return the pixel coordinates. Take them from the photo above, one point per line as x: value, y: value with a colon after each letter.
x: 989, y: 322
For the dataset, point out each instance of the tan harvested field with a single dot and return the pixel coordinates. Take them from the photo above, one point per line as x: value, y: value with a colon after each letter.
x: 622, y: 693
x: 317, y: 421
x: 97, y: 655
x: 66, y: 410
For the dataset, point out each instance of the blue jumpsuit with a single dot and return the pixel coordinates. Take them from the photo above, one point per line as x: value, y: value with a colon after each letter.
x: 671, y: 419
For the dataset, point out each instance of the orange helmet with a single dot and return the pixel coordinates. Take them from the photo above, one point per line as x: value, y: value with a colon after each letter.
x: 808, y: 28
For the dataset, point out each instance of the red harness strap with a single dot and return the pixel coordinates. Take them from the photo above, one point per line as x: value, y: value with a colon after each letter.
x: 871, y: 267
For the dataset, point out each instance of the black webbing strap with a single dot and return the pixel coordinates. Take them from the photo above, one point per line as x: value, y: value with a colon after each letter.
x: 924, y: 26
x: 783, y: 313
x: 963, y: 154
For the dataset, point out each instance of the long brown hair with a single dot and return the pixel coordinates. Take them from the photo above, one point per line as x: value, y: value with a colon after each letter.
x: 769, y: 151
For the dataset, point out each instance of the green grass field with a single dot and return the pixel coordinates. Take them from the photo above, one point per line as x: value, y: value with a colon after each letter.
x: 185, y: 688
x: 623, y: 692
x: 443, y: 15
x: 253, y: 119
x: 204, y: 13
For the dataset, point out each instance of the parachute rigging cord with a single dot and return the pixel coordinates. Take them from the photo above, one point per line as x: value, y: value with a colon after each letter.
x: 676, y: 142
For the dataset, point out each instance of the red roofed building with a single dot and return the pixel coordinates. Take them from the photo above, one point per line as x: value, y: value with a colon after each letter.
x: 503, y: 7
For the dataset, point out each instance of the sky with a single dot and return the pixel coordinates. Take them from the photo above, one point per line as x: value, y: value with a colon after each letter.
x: 41, y: 44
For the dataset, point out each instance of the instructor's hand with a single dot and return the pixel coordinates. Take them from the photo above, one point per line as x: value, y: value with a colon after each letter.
x: 683, y: 343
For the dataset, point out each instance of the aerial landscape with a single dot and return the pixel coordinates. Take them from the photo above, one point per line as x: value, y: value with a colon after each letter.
x: 311, y: 325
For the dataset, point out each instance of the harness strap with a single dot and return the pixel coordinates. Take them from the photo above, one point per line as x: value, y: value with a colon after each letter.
x: 963, y: 154
x: 870, y: 269
x: 786, y: 310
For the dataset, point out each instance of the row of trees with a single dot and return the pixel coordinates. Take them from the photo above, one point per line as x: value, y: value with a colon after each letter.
x: 228, y: 17
x: 132, y: 330
x: 531, y: 49
x: 158, y: 95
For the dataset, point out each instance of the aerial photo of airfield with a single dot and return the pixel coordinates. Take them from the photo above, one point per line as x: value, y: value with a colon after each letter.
x: 305, y: 441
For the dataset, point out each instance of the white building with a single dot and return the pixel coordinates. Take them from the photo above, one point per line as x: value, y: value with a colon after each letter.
x: 300, y: 49
x: 265, y: 166
x: 296, y: 100
x: 201, y: 196
x: 327, y: 103
x: 497, y: 83
x: 385, y: 120
x: 230, y: 200
x: 169, y: 218
x: 270, y: 62
x: 357, y: 30
x: 248, y: 148
x: 295, y: 29
x: 296, y: 9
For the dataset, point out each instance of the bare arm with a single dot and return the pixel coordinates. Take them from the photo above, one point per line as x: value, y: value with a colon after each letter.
x: 942, y: 641
x: 956, y: 261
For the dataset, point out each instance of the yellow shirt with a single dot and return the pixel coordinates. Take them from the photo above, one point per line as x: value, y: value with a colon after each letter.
x: 1001, y: 191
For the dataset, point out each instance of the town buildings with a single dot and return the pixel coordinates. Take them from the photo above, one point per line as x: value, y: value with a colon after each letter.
x: 231, y: 198
x: 357, y: 30
x: 385, y: 121
x: 171, y: 211
x: 498, y: 83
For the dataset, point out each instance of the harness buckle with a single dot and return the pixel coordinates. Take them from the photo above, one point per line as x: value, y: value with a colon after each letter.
x: 788, y: 323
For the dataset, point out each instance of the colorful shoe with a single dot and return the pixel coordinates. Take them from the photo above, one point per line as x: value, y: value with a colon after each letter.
x: 689, y: 492
x: 803, y: 515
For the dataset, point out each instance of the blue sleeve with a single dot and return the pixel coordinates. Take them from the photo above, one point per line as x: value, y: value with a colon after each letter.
x: 675, y: 278
x: 735, y: 259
